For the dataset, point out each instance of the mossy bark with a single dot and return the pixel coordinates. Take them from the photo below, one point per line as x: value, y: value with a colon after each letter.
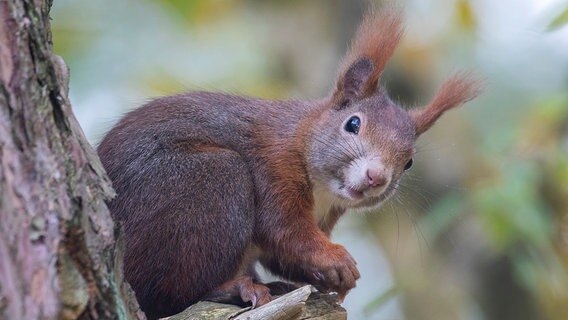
x: 57, y: 240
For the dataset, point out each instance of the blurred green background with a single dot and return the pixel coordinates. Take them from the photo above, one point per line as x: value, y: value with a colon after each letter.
x: 480, y: 228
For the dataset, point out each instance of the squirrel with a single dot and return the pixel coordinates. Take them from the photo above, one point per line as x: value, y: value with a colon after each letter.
x: 210, y: 183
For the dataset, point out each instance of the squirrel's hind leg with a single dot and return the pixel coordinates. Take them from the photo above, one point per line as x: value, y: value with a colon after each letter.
x: 241, y: 291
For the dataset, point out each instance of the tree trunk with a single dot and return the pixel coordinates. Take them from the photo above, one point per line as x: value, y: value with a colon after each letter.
x: 57, y: 240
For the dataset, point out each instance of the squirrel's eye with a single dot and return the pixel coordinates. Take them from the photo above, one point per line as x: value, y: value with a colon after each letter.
x: 408, y: 164
x: 353, y: 125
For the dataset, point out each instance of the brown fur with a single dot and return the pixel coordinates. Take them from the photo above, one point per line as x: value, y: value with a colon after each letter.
x: 376, y: 39
x: 459, y: 89
x: 208, y: 183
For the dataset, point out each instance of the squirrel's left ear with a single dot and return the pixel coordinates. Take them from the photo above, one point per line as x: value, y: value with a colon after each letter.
x: 459, y: 89
x: 373, y: 45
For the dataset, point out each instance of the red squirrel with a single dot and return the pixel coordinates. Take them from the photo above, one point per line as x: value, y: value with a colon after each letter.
x: 210, y: 183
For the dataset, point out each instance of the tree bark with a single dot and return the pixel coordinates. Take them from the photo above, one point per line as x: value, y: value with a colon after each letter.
x: 57, y: 240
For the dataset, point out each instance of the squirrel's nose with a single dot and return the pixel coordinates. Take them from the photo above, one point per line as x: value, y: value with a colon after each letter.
x: 376, y: 178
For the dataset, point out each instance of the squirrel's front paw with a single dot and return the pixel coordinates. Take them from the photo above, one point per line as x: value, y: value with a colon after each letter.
x: 334, y: 270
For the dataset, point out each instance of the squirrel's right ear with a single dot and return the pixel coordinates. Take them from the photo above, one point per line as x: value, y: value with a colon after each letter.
x: 351, y: 85
x: 375, y: 42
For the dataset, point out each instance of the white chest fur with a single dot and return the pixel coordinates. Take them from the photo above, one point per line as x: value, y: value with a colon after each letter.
x: 323, y: 201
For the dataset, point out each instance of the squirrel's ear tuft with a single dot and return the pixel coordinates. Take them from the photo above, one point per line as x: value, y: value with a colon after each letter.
x: 460, y: 88
x: 351, y: 85
x: 373, y: 45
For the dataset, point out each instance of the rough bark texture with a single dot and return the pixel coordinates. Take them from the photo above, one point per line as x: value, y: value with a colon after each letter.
x: 57, y: 240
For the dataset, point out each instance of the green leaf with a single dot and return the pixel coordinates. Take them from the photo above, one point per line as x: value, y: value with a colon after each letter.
x: 560, y: 21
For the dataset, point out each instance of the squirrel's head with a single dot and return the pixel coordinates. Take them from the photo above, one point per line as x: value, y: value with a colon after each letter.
x: 363, y: 142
